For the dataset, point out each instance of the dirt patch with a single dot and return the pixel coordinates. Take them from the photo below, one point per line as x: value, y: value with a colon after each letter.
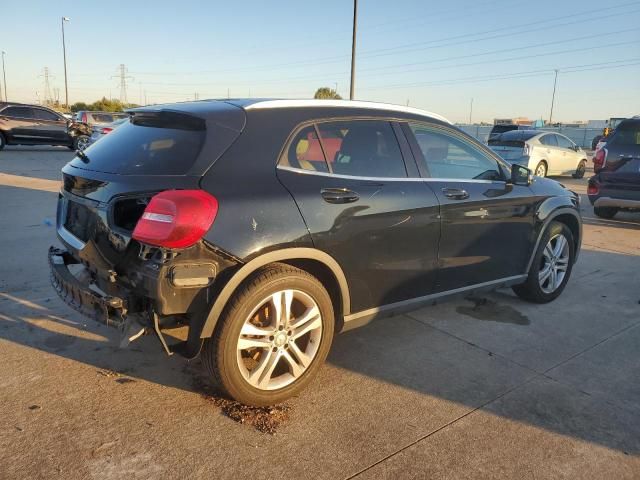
x: 263, y: 419
x: 486, y: 309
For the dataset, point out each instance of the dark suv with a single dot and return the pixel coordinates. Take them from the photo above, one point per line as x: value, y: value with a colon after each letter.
x: 616, y: 184
x: 36, y: 125
x: 264, y: 227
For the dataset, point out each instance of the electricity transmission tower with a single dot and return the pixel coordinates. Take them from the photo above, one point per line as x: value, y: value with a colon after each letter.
x: 47, y: 88
x: 122, y: 75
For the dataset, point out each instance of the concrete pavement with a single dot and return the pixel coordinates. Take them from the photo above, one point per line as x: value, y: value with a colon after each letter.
x: 482, y: 387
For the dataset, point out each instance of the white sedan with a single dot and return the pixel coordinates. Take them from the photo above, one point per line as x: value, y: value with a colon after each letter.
x: 545, y: 153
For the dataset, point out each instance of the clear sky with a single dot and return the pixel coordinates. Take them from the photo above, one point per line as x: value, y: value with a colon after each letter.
x: 434, y: 55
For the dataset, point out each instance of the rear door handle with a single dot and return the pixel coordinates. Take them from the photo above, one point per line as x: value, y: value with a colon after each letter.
x: 455, y: 193
x: 339, y: 195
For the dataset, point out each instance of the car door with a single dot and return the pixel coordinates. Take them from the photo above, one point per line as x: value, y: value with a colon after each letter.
x: 551, y: 153
x: 349, y: 179
x: 487, y: 222
x: 52, y: 127
x: 21, y: 124
x: 569, y: 159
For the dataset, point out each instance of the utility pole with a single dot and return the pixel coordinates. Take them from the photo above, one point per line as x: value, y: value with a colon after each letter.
x: 64, y: 55
x: 123, y: 82
x: 471, y: 111
x: 353, y: 51
x: 4, y: 75
x: 553, y: 97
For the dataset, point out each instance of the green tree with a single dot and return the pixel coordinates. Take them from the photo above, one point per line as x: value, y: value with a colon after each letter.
x: 76, y: 107
x: 327, y: 93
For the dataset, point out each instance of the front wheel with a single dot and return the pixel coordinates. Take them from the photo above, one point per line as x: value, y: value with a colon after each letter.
x: 541, y: 170
x: 80, y: 143
x: 551, y: 266
x: 272, y: 338
x: 582, y: 167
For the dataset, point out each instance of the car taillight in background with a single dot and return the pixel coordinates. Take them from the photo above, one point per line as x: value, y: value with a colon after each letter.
x: 105, y: 130
x: 176, y: 218
x: 599, y: 159
x: 526, y: 151
x: 83, y: 117
x: 592, y: 189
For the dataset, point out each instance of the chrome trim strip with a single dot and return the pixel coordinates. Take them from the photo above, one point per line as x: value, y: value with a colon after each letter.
x: 70, y: 238
x: 343, y: 104
x: 385, y: 179
x: 363, y: 317
x: 616, y: 202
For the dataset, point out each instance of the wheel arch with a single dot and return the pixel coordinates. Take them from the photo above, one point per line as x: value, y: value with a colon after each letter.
x: 316, y: 262
x: 567, y: 214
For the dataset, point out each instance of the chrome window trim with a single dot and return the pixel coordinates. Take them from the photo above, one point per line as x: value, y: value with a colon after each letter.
x: 385, y: 179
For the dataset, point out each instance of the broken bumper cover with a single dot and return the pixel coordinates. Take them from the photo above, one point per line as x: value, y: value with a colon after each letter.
x: 108, y: 310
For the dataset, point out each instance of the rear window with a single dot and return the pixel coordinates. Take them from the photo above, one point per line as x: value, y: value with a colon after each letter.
x: 627, y: 134
x: 102, y: 118
x: 152, y: 144
x: 503, y: 128
x: 512, y: 138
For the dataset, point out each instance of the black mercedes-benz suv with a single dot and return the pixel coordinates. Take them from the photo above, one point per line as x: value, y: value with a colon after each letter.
x: 262, y: 227
x: 616, y: 184
x: 22, y: 124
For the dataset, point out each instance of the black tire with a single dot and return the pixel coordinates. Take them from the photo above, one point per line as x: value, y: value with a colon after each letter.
x: 220, y: 355
x: 531, y: 290
x: 2, y: 141
x: 582, y: 167
x: 77, y: 141
x: 541, y: 166
x: 606, y: 212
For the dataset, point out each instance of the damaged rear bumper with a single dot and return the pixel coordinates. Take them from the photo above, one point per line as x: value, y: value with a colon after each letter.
x: 109, y: 310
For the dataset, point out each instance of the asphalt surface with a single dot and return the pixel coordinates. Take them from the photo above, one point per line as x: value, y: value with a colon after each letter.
x: 480, y: 387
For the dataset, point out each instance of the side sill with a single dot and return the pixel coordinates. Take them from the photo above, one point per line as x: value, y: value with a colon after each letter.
x: 359, y: 319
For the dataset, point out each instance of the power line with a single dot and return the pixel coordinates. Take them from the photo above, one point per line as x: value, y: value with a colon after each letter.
x: 123, y: 82
x: 47, y: 87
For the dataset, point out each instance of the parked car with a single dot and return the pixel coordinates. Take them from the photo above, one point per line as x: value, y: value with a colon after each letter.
x: 98, y: 118
x: 545, y: 153
x: 264, y: 227
x: 99, y: 131
x: 498, y: 129
x: 616, y: 184
x: 22, y: 124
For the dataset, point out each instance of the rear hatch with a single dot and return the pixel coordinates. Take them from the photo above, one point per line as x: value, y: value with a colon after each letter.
x: 620, y: 177
x: 512, y: 146
x: 107, y: 187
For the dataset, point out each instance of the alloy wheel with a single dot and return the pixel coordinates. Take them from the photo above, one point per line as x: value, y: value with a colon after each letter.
x: 541, y: 170
x: 279, y: 340
x: 554, y: 264
x: 83, y: 142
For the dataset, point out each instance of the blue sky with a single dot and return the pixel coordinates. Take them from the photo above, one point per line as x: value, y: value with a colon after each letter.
x: 434, y: 55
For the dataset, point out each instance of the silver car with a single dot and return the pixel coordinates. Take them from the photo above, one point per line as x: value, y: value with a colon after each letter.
x: 99, y: 131
x: 545, y: 153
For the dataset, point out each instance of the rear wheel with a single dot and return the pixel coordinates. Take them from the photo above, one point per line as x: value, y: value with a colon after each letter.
x: 541, y: 169
x: 551, y: 267
x: 2, y: 141
x: 605, y: 212
x: 582, y: 167
x: 272, y: 338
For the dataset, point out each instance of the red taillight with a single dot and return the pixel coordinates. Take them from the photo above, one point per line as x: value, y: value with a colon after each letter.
x: 106, y: 130
x: 83, y: 118
x: 599, y: 159
x: 592, y: 189
x: 176, y: 218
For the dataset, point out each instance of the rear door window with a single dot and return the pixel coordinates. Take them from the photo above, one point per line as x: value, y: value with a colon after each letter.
x: 362, y: 148
x: 19, y: 112
x: 305, y: 152
x: 167, y: 143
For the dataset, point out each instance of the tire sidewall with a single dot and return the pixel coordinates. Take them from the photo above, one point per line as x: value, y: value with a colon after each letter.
x: 580, y: 171
x: 2, y: 141
x: 543, y: 164
x: 227, y: 338
x: 534, y: 284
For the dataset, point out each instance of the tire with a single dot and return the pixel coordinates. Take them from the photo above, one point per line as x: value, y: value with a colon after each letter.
x: 582, y: 167
x: 80, y: 142
x: 3, y: 142
x: 541, y: 169
x: 243, y: 373
x: 606, y: 212
x: 537, y: 290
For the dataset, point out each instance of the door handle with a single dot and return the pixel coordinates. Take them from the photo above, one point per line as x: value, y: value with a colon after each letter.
x: 455, y: 193
x: 339, y: 195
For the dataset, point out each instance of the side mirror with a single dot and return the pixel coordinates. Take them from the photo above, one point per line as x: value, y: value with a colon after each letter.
x: 521, y: 175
